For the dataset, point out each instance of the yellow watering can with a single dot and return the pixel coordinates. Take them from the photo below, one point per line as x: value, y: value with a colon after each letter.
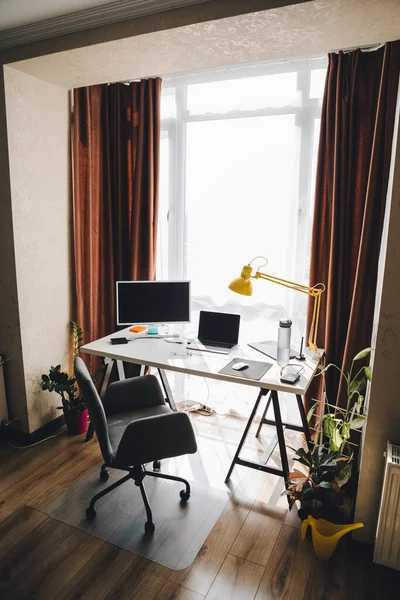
x: 325, y: 535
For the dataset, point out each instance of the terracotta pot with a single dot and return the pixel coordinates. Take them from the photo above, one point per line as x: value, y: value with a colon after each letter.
x: 77, y: 422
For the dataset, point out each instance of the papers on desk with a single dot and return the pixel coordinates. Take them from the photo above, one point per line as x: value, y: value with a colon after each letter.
x: 255, y: 370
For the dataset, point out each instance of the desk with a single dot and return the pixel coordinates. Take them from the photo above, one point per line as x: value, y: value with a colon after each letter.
x: 157, y: 353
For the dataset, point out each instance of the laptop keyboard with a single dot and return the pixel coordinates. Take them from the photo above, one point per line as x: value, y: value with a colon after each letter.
x: 217, y: 344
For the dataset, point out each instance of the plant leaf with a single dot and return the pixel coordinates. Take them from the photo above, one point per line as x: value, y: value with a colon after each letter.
x: 336, y: 441
x: 311, y: 412
x: 358, y: 422
x: 368, y: 373
x: 344, y: 475
x: 362, y: 354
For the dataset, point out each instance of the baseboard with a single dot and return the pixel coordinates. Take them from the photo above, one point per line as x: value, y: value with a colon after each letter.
x: 21, y: 438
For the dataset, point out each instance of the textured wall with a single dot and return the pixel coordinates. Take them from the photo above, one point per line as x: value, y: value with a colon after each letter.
x: 10, y: 335
x: 384, y: 403
x: 290, y: 31
x: 38, y: 129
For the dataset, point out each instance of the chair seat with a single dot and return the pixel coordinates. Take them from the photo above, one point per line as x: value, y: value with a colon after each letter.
x: 118, y: 423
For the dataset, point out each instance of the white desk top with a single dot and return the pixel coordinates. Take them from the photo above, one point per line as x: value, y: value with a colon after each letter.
x: 158, y: 353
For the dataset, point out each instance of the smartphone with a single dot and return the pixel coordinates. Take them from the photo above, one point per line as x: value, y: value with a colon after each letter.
x: 290, y: 375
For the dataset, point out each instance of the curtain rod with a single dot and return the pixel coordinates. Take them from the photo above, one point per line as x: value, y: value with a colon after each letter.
x: 370, y: 48
x: 367, y: 48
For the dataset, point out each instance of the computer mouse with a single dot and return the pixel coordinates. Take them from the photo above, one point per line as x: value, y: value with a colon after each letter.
x: 239, y: 366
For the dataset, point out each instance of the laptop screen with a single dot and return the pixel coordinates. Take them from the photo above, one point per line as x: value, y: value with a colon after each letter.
x: 218, y: 327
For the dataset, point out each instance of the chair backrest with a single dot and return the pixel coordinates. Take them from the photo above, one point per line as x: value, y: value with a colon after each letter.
x: 95, y: 407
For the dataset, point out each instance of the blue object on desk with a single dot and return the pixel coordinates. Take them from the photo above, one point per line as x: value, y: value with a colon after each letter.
x: 152, y: 330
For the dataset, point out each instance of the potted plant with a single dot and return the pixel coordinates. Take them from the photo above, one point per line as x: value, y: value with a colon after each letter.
x: 337, y: 423
x: 318, y: 486
x: 73, y: 403
x: 325, y: 470
x: 324, y: 506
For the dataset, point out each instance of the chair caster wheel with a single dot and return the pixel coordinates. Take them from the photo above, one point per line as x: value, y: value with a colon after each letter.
x: 90, y: 513
x: 149, y: 528
x: 156, y: 465
x: 104, y: 475
x: 184, y: 495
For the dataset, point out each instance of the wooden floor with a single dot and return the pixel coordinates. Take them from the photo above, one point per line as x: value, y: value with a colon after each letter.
x: 254, y: 550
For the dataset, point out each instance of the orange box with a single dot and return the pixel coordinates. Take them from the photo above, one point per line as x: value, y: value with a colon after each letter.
x: 137, y: 328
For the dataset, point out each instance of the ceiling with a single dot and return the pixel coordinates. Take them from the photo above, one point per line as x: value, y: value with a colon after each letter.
x: 25, y: 21
x: 15, y: 13
x: 307, y: 29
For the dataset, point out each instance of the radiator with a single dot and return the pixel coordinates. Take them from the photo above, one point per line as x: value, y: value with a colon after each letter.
x: 387, y: 543
x: 3, y: 402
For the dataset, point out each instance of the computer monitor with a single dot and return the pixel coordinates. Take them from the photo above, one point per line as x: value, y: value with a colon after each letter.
x: 147, y: 302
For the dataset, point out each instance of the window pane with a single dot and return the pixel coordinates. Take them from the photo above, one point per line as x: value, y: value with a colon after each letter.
x: 243, y: 94
x: 162, y: 233
x: 241, y: 199
x: 317, y: 83
x: 168, y: 104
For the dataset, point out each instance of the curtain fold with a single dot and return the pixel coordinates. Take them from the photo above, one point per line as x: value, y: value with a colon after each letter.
x: 116, y: 147
x: 351, y: 185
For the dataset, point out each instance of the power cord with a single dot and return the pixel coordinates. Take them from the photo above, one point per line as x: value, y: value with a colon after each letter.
x: 36, y: 443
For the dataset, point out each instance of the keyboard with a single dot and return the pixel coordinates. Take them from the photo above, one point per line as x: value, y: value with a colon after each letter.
x: 217, y: 344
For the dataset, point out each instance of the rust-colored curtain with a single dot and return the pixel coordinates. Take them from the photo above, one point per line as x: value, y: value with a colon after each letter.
x: 116, y: 138
x: 352, y: 177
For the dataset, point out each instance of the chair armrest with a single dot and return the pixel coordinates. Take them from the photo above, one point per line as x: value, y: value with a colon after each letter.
x: 128, y: 394
x: 154, y: 438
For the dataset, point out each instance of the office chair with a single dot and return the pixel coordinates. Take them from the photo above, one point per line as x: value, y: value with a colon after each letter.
x: 135, y: 426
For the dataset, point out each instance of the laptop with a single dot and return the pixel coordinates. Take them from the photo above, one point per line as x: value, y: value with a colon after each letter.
x: 218, y: 332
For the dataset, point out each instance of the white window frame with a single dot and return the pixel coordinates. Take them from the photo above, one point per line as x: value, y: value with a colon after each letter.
x: 306, y: 114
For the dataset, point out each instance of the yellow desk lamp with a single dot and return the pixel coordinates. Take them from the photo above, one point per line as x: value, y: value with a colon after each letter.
x: 243, y: 285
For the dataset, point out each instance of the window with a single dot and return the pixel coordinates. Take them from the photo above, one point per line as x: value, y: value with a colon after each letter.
x: 238, y: 158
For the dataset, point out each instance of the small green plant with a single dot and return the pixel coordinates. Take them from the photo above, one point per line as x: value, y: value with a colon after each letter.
x: 337, y: 423
x: 60, y: 382
x: 319, y: 490
x: 77, y: 338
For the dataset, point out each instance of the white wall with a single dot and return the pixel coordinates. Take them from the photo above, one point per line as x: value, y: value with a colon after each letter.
x: 383, y: 422
x: 38, y: 144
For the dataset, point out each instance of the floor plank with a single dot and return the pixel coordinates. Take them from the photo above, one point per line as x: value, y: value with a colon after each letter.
x: 31, y: 551
x: 333, y: 579
x: 47, y: 481
x: 172, y: 591
x: 142, y: 581
x: 99, y: 575
x: 201, y: 573
x: 375, y: 582
x: 238, y: 579
x: 54, y: 573
x: 17, y: 526
x: 288, y: 568
x: 258, y: 533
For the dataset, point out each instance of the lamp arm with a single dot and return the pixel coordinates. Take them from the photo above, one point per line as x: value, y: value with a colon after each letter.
x: 314, y: 291
x: 311, y: 291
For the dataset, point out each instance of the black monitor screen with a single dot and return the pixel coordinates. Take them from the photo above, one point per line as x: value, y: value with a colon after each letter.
x: 153, y: 302
x: 218, y: 327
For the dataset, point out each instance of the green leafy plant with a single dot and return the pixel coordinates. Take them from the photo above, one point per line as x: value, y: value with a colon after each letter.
x: 60, y: 381
x: 336, y: 423
x: 77, y: 338
x: 319, y: 488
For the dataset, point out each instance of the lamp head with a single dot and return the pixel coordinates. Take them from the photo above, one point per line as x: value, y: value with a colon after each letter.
x: 242, y: 285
